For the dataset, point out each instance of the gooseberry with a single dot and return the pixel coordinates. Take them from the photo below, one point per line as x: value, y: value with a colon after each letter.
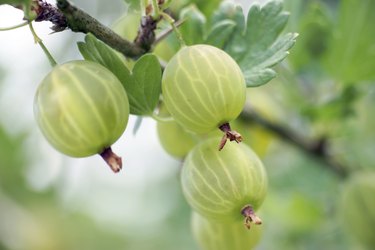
x: 226, y: 185
x: 357, y: 207
x: 211, y: 234
x: 204, y: 89
x: 174, y: 139
x: 82, y: 109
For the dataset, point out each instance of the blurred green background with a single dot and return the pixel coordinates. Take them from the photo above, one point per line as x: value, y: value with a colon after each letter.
x: 324, y: 88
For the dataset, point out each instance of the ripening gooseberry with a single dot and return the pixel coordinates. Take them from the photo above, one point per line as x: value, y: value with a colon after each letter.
x: 82, y: 109
x: 226, y: 185
x: 211, y: 234
x: 204, y: 89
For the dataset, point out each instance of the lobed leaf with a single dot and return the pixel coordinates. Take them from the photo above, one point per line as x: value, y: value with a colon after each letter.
x: 193, y: 29
x: 351, y: 53
x: 255, y: 44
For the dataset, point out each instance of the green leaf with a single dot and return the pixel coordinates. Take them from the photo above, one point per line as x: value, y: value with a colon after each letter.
x: 133, y: 4
x: 352, y: 48
x: 13, y: 2
x: 336, y: 109
x: 220, y: 33
x: 143, y: 86
x: 94, y: 50
x: 207, y: 7
x: 315, y: 28
x: 192, y: 29
x: 257, y: 46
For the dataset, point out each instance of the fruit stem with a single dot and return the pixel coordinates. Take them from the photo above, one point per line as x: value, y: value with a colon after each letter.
x: 250, y: 216
x: 171, y: 21
x: 113, y: 161
x: 37, y: 40
x: 229, y: 134
x: 155, y: 9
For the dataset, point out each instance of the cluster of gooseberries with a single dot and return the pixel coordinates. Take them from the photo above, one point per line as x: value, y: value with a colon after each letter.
x: 82, y: 109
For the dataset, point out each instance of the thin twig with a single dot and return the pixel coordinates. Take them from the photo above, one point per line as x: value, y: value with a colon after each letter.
x: 166, y: 32
x: 80, y: 21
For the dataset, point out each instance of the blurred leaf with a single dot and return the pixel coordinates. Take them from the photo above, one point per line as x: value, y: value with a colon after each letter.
x: 357, y: 207
x: 14, y: 2
x: 315, y: 29
x: 192, y: 29
x: 207, y: 7
x: 255, y: 45
x: 133, y: 4
x: 335, y: 109
x: 352, y: 47
x: 11, y: 163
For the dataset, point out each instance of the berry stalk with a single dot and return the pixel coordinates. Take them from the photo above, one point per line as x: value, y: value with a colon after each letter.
x: 250, y: 216
x: 229, y: 134
x: 113, y: 160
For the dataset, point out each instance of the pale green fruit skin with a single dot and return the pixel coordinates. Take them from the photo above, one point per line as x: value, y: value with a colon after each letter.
x: 211, y: 234
x: 174, y: 139
x: 357, y: 208
x: 81, y: 108
x: 203, y: 88
x: 218, y: 184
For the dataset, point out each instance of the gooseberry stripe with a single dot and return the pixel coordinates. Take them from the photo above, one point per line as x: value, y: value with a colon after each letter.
x: 199, y: 79
x: 203, y: 194
x: 91, y: 105
x: 197, y: 92
x: 206, y: 184
x: 67, y: 114
x: 210, y: 69
x: 48, y: 129
x: 203, y: 209
x: 190, y: 89
x: 189, y: 117
x: 205, y: 197
x: 234, y: 185
x: 210, y: 170
x: 70, y: 111
x: 110, y: 92
x: 64, y: 110
x: 258, y: 170
x: 216, y: 75
x: 199, y: 192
